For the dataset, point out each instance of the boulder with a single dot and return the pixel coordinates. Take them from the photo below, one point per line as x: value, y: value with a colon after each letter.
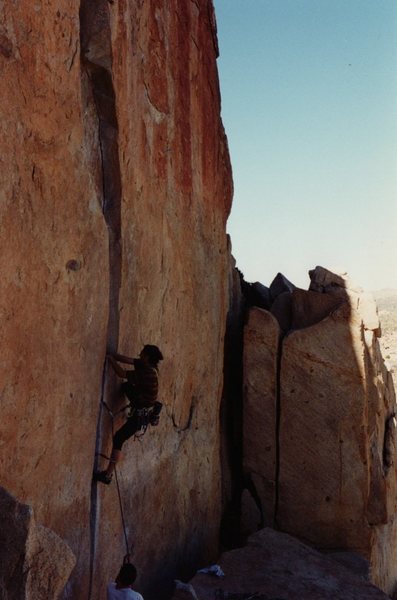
x: 279, y: 285
x: 301, y: 308
x: 309, y: 308
x: 274, y: 565
x: 334, y: 432
x: 337, y: 488
x: 352, y: 561
x: 340, y: 284
x: 35, y: 563
x: 324, y: 280
x: 282, y: 311
x: 184, y: 591
x: 260, y: 296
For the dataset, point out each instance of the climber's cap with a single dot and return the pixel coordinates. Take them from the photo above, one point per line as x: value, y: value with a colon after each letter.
x: 153, y: 353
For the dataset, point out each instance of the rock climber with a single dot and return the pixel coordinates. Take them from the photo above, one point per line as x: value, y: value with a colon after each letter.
x: 121, y: 589
x: 141, y: 389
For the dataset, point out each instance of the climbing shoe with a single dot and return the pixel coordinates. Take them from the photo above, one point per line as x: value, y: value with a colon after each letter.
x: 103, y: 477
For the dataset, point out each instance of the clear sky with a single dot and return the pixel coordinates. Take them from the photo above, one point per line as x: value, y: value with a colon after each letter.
x: 309, y: 104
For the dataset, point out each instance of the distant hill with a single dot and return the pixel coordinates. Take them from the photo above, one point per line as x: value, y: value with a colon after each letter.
x: 387, y: 308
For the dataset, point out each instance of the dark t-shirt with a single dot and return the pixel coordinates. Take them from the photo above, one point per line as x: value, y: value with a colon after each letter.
x: 144, y: 382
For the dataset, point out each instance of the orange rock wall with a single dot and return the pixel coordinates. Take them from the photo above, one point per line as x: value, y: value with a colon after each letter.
x: 115, y: 192
x: 320, y: 431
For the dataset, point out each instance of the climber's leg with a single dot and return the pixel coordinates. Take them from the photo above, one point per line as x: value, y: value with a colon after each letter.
x: 114, y: 459
x: 129, y: 428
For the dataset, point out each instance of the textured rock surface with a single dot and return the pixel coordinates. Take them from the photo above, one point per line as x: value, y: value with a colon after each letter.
x: 34, y: 562
x: 340, y: 285
x: 329, y: 431
x: 335, y: 436
x: 116, y: 188
x: 261, y: 340
x: 275, y: 565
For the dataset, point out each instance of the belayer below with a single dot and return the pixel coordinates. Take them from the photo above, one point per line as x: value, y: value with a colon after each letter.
x: 122, y: 588
x: 141, y: 389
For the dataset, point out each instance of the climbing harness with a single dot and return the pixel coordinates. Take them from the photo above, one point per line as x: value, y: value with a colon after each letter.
x: 142, y: 418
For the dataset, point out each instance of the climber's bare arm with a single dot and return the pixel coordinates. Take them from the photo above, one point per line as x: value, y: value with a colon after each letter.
x: 123, y: 359
x: 116, y: 367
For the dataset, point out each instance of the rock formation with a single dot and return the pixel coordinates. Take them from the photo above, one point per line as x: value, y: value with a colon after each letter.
x: 319, y: 422
x: 34, y: 562
x: 386, y: 301
x: 261, y: 343
x: 274, y: 565
x: 115, y: 192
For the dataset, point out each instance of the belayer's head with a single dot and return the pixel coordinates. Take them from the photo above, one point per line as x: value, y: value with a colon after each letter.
x: 152, y: 354
x: 127, y: 575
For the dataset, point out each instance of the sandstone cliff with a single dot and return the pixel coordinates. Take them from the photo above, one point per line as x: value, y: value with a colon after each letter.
x: 319, y: 438
x: 115, y: 192
x: 116, y: 187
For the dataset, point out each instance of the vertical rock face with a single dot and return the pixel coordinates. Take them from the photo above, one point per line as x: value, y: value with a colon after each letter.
x: 115, y: 192
x: 336, y: 435
x: 231, y: 409
x: 261, y: 344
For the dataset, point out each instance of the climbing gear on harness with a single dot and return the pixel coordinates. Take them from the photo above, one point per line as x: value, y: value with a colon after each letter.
x: 154, y: 417
x: 103, y: 477
x: 144, y: 417
x: 141, y: 416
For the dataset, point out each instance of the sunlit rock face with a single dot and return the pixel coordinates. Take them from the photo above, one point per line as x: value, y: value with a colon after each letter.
x: 335, y: 433
x: 115, y: 192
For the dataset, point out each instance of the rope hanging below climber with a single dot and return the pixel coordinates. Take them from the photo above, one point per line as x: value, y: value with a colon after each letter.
x: 121, y: 589
x: 141, y: 389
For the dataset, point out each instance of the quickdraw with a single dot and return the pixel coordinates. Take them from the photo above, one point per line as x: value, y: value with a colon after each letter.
x: 143, y: 420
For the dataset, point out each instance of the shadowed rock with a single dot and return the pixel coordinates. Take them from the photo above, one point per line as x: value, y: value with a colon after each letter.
x: 260, y: 412
x: 279, y: 285
x: 260, y: 295
x: 274, y: 566
x: 35, y: 563
x: 282, y: 310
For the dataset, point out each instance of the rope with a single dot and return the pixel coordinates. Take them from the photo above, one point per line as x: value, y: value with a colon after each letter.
x: 118, y: 485
x: 116, y: 475
x: 136, y: 437
x: 111, y: 413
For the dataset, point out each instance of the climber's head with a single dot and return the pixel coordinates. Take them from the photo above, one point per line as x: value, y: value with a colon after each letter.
x: 151, y: 354
x: 126, y: 576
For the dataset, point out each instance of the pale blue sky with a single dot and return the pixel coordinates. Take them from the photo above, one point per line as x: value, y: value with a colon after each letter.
x: 309, y: 104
